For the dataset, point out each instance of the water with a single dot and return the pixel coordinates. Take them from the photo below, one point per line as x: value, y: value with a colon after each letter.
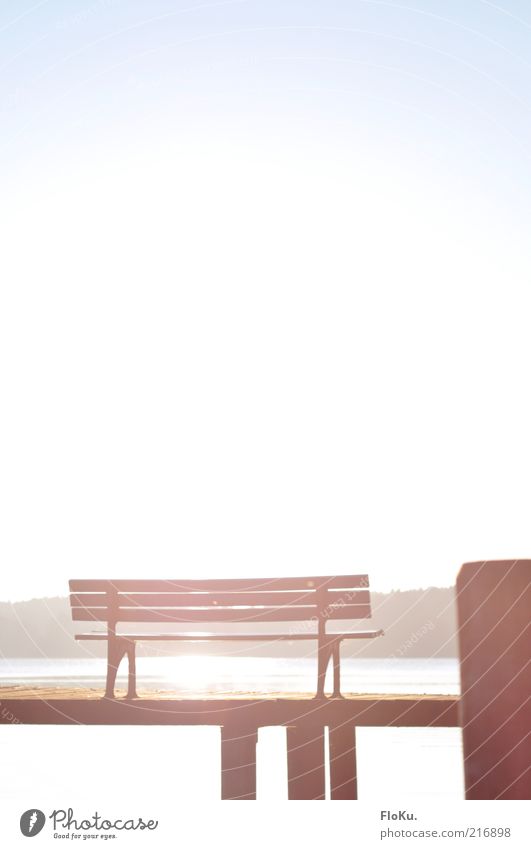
x: 205, y: 675
x: 395, y: 764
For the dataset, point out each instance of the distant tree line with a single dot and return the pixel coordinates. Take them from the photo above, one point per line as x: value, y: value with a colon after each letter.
x: 417, y: 623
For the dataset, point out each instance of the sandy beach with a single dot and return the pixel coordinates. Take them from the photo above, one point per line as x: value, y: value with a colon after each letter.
x: 50, y: 693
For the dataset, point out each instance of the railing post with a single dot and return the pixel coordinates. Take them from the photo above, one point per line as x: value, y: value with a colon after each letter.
x: 343, y: 768
x: 493, y: 605
x: 306, y: 765
x: 238, y: 762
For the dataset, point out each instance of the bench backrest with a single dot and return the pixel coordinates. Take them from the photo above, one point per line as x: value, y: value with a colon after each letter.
x: 236, y: 600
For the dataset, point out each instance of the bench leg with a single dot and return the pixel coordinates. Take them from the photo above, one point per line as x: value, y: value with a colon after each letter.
x: 116, y: 649
x: 131, y: 681
x: 323, y: 657
x: 337, y: 672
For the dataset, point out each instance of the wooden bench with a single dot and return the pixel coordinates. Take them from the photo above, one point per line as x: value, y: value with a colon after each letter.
x: 309, y: 602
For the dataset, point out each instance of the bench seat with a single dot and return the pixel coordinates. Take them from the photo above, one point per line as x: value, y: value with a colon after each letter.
x: 210, y: 636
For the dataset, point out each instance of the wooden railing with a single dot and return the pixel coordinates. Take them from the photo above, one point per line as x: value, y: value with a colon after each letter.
x: 307, y: 722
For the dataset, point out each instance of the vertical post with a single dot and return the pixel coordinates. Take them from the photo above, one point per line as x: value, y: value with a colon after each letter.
x: 238, y: 763
x: 343, y: 768
x: 306, y: 762
x: 493, y: 605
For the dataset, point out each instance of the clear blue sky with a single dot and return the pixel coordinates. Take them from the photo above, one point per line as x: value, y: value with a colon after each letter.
x: 265, y: 286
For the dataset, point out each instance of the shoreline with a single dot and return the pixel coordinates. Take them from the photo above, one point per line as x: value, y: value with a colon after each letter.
x: 24, y: 692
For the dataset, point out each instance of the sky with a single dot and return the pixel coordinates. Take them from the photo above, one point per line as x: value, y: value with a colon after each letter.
x: 264, y: 281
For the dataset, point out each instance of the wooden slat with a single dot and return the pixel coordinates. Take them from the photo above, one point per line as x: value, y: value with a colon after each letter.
x: 250, y: 614
x: 193, y: 638
x: 153, y: 600
x: 351, y: 610
x: 339, y: 597
x: 89, y: 599
x: 413, y: 711
x: 229, y: 585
